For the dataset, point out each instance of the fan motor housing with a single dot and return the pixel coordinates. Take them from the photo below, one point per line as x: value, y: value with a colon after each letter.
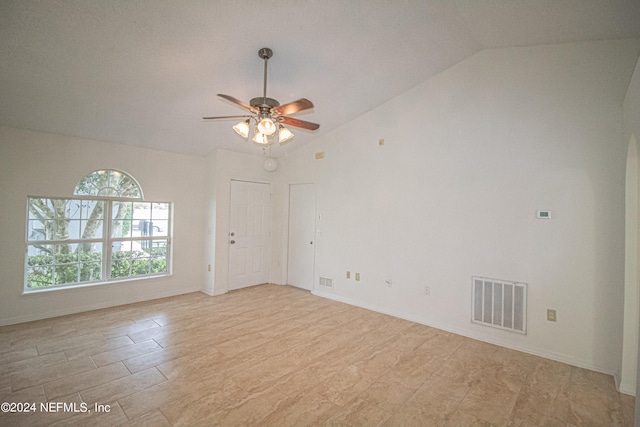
x: 261, y: 102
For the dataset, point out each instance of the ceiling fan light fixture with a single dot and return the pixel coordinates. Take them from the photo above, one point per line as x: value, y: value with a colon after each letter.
x: 266, y: 114
x: 266, y: 126
x: 242, y: 128
x: 260, y: 138
x: 284, y: 134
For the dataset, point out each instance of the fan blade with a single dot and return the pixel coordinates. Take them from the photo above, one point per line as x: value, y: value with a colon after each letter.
x: 226, y: 117
x: 299, y: 123
x: 293, y: 107
x: 238, y: 102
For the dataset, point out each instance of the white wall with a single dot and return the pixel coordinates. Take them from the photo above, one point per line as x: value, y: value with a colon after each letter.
x: 631, y: 136
x: 222, y: 167
x: 41, y: 164
x: 469, y: 156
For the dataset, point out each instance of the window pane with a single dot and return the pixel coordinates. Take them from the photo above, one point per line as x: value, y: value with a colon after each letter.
x: 66, y: 254
x: 147, y: 228
x: 159, y: 257
x: 59, y: 229
x: 91, y: 229
x: 66, y: 273
x: 159, y: 265
x: 90, y: 262
x: 108, y: 183
x: 42, y: 230
x: 121, y: 219
x: 160, y: 211
x: 36, y: 230
x: 140, y: 267
x: 73, y: 229
x: 121, y: 228
x: 39, y: 276
x: 142, y: 211
x: 40, y: 208
x: 92, y: 219
x: 91, y: 272
x: 69, y: 209
x: 93, y: 209
x: 159, y: 249
x: 120, y: 268
x: 159, y: 227
x: 120, y: 261
x: 40, y: 255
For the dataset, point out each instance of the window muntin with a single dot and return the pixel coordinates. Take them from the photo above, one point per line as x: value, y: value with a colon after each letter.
x: 105, y: 233
x: 140, y: 237
x: 109, y: 183
x: 79, y: 241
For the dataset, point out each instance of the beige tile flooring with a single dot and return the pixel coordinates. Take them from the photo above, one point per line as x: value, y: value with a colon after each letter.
x: 278, y: 356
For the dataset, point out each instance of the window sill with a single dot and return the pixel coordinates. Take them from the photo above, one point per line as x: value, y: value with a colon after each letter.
x: 42, y: 291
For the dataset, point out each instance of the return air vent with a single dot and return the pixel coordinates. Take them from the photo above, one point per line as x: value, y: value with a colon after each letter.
x: 499, y: 303
x: 326, y: 282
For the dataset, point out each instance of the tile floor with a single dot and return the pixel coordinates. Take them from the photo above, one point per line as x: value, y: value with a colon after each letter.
x: 278, y: 356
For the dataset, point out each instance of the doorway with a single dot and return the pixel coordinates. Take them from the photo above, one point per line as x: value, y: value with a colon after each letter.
x: 301, y: 243
x: 249, y: 234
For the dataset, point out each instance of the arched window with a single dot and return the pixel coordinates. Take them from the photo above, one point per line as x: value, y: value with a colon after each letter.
x: 105, y: 233
x: 109, y: 183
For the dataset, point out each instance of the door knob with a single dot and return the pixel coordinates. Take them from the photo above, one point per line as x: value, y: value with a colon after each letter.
x: 232, y: 242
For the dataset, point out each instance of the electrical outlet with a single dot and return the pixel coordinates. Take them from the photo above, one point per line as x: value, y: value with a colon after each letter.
x: 357, y: 277
x: 551, y: 315
x: 348, y: 275
x: 427, y: 290
x: 208, y: 267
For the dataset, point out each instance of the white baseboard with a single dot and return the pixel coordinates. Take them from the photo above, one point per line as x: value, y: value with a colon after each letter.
x: 536, y: 352
x: 626, y: 388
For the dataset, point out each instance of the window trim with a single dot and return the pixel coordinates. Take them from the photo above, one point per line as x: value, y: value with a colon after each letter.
x: 77, y: 191
x: 107, y: 244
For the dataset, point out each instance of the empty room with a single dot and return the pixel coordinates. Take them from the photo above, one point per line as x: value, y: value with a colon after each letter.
x: 289, y: 213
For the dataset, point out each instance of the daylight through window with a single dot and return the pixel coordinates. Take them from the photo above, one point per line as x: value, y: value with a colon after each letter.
x: 98, y: 236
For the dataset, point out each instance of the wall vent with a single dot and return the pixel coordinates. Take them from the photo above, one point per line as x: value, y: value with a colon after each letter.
x: 500, y: 303
x: 326, y: 282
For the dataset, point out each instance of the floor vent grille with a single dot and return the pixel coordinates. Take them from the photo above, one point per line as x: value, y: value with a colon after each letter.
x: 326, y: 282
x: 500, y: 303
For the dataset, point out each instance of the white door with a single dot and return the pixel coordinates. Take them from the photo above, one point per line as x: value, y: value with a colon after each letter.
x: 249, y: 234
x: 302, y: 224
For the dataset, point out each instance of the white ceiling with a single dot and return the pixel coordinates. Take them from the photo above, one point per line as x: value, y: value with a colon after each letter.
x: 143, y: 72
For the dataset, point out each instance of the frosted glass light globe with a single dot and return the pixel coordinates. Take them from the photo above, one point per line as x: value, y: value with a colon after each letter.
x: 270, y: 164
x: 267, y: 127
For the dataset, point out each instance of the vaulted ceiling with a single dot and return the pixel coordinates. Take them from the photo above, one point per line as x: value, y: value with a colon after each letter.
x: 144, y: 72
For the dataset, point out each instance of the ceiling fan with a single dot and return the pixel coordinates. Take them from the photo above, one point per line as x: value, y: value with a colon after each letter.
x: 268, y: 116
